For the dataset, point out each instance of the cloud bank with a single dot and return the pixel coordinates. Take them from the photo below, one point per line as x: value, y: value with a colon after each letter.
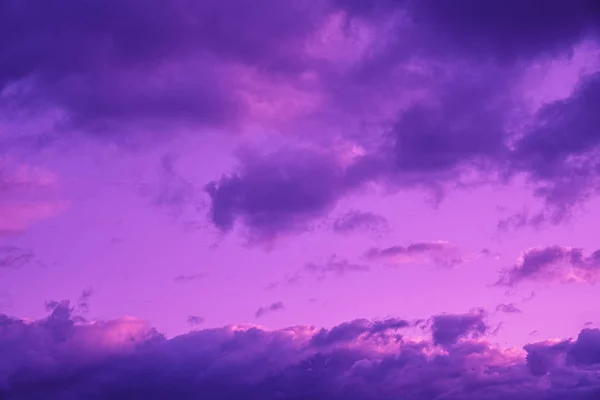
x: 64, y: 357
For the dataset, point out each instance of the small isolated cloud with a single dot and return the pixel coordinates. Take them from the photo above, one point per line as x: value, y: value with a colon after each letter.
x: 277, y: 306
x: 360, y: 221
x: 335, y: 266
x: 441, y: 253
x: 448, y: 329
x: 553, y: 264
x: 188, y: 278
x: 508, y: 308
x: 195, y: 320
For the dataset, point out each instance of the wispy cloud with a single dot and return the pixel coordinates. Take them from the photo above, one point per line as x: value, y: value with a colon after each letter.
x: 508, y: 308
x: 441, y: 253
x: 188, y: 278
x: 360, y: 221
x: 335, y: 266
x: 277, y: 306
x: 16, y: 257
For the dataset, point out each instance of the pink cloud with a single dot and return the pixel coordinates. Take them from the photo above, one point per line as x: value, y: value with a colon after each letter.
x: 560, y: 264
x: 27, y: 195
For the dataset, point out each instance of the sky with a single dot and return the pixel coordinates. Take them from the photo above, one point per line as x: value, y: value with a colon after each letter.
x: 354, y: 199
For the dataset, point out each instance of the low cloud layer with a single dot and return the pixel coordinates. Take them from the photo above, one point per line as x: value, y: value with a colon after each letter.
x: 62, y: 357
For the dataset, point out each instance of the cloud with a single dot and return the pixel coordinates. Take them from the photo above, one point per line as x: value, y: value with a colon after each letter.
x: 508, y: 308
x: 359, y: 221
x: 278, y: 193
x: 171, y: 63
x: 63, y: 358
x: 447, y: 329
x: 553, y: 264
x: 334, y: 266
x: 441, y: 253
x: 351, y: 331
x: 430, y: 96
x: 188, y: 278
x: 16, y: 257
x: 504, y: 31
x: 560, y: 152
x: 277, y: 306
x: 25, y: 196
x: 173, y: 192
x: 83, y: 301
x: 18, y: 177
x: 195, y: 320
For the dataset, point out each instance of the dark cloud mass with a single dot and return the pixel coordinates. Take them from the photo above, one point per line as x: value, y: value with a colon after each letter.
x: 107, y: 63
x: 484, y: 47
x: 125, y: 67
x: 62, y: 358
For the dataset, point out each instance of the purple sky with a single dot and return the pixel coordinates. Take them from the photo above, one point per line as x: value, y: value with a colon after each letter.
x: 330, y: 199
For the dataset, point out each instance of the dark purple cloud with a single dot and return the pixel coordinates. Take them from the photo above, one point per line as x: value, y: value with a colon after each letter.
x: 553, y: 263
x: 277, y: 306
x: 359, y: 221
x: 505, y: 31
x: 62, y: 358
x: 447, y: 329
x: 130, y: 67
x: 509, y: 308
x: 110, y: 63
x: 542, y: 357
x: 352, y: 330
x: 281, y: 192
x: 583, y: 352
